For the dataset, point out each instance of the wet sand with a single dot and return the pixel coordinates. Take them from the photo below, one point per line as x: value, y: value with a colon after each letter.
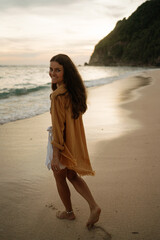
x: 122, y: 127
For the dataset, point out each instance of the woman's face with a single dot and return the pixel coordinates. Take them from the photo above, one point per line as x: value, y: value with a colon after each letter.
x: 56, y: 73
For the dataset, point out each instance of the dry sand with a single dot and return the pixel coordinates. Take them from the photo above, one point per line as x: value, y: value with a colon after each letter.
x: 123, y: 135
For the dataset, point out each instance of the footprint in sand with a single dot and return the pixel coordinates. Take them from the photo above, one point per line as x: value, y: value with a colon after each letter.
x: 50, y: 205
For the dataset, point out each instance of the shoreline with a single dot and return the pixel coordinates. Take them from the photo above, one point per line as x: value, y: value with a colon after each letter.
x: 123, y: 143
x: 112, y: 100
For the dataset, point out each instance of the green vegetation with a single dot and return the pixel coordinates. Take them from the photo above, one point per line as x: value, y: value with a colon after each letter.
x: 134, y: 41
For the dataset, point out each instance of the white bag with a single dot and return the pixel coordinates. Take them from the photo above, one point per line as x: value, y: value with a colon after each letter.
x: 49, y: 149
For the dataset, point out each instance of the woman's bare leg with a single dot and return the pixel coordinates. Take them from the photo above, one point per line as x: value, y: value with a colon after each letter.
x: 82, y: 188
x: 64, y: 194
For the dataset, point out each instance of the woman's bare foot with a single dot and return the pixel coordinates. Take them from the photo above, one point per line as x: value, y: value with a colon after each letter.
x: 65, y: 215
x: 94, y: 217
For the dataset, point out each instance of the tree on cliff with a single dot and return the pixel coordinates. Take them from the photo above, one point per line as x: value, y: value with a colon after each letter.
x: 134, y: 41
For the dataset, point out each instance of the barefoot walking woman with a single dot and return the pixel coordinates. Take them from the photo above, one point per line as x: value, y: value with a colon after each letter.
x: 70, y: 155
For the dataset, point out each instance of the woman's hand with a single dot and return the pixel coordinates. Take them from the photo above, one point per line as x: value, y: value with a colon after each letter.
x: 55, y: 160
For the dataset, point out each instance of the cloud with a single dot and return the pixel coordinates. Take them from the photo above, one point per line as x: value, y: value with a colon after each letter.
x: 5, y: 4
x: 117, y: 9
x: 112, y: 11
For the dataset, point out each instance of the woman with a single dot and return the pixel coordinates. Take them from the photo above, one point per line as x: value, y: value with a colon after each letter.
x: 70, y: 155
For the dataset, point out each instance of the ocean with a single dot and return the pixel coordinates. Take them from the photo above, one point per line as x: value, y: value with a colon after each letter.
x: 25, y: 90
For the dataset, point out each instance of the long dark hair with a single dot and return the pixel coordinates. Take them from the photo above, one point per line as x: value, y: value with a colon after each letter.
x: 73, y: 83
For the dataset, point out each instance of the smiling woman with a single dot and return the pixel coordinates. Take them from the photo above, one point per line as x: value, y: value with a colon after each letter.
x: 68, y: 103
x: 56, y: 73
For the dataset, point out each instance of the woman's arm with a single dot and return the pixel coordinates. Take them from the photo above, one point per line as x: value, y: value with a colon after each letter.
x: 55, y: 159
x: 58, y: 126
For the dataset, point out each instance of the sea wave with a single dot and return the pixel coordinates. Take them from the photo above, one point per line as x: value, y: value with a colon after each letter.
x: 6, y: 93
x: 19, y: 91
x: 24, y: 89
x: 27, y: 88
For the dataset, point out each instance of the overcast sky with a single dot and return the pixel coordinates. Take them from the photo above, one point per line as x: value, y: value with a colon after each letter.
x: 32, y: 31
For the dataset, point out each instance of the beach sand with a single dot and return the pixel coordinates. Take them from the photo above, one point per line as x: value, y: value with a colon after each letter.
x: 123, y: 135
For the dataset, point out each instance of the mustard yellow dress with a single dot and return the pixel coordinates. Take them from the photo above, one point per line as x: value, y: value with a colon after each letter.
x: 68, y: 134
